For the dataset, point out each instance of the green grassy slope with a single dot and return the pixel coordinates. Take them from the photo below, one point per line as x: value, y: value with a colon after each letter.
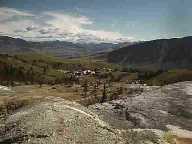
x: 171, y: 76
x: 43, y: 68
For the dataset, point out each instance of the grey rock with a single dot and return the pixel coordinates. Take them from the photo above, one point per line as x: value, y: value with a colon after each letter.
x: 57, y: 121
x: 6, y: 91
x: 155, y: 108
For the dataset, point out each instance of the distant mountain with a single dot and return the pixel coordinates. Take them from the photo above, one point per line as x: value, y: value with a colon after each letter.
x: 58, y: 48
x: 161, y: 54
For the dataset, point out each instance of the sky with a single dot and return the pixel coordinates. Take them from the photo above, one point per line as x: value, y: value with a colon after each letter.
x: 95, y: 20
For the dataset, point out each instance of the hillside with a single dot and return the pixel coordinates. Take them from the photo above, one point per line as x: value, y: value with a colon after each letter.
x: 11, y: 45
x: 41, y: 68
x: 155, y: 54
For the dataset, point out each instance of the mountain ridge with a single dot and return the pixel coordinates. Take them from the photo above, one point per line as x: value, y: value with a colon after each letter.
x: 57, y: 48
x: 161, y: 54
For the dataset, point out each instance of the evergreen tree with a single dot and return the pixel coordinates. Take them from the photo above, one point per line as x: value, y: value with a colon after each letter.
x: 104, y: 96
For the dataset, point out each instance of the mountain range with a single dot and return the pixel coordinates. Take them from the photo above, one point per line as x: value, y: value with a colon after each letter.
x: 154, y: 54
x: 57, y: 48
x: 158, y: 54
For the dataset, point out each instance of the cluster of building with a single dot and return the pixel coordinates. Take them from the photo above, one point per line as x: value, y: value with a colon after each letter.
x: 84, y: 72
x: 79, y: 72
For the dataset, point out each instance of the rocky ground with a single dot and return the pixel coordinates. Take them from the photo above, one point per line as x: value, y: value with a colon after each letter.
x: 57, y: 121
x: 5, y: 91
x: 154, y: 108
x: 137, y: 119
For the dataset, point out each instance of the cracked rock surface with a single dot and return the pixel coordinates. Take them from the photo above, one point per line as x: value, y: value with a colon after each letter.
x: 155, y: 108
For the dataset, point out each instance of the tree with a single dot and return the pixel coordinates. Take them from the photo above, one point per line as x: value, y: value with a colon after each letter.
x: 85, y: 88
x: 40, y: 83
x: 94, y: 92
x: 104, y: 96
x: 44, y: 69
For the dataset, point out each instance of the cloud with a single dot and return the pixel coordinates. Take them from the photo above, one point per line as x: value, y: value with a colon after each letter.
x: 53, y: 25
x: 7, y: 13
x: 31, y: 28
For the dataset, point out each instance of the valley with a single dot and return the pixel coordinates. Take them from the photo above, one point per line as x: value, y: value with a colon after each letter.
x: 132, y: 105
x: 95, y: 72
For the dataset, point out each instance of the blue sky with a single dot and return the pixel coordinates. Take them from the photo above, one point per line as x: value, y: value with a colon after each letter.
x: 96, y: 20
